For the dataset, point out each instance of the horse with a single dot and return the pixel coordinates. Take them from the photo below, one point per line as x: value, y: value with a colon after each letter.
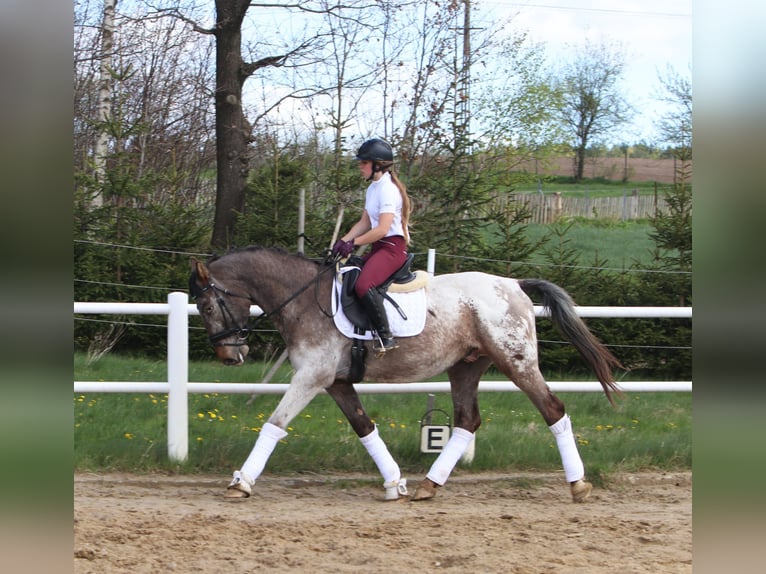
x: 473, y: 320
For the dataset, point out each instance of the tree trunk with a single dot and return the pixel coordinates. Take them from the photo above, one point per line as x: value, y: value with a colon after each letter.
x: 579, y: 163
x: 104, y: 99
x: 232, y: 128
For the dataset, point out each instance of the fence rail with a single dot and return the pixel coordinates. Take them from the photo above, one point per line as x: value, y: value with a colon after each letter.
x: 178, y: 385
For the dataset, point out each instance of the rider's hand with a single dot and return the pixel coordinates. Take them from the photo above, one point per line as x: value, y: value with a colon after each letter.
x: 343, y: 248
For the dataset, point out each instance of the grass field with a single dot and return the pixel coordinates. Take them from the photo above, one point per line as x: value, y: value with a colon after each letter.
x: 619, y: 244
x: 128, y: 431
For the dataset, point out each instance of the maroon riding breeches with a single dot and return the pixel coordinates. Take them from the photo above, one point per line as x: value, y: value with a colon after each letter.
x: 387, y: 255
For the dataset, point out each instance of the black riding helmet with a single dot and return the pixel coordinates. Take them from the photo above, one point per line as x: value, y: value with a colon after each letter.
x: 375, y: 150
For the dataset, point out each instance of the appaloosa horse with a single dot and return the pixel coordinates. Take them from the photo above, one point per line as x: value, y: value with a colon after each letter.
x: 473, y: 320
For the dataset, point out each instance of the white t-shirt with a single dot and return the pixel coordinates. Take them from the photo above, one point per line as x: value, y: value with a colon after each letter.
x: 383, y: 197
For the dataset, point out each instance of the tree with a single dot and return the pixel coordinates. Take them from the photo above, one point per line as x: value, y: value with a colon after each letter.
x: 673, y: 228
x: 233, y: 131
x: 104, y: 97
x: 675, y: 125
x: 592, y: 103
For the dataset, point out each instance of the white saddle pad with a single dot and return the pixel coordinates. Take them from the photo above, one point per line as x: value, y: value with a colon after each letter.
x: 413, y: 304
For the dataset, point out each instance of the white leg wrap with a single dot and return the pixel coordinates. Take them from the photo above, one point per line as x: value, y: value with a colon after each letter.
x: 383, y: 459
x: 450, y: 454
x: 267, y: 440
x: 570, y: 457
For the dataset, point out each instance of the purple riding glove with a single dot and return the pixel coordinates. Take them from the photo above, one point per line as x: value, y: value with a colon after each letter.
x: 343, y: 248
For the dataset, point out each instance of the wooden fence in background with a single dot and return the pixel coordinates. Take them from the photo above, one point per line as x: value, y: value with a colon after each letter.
x: 549, y: 207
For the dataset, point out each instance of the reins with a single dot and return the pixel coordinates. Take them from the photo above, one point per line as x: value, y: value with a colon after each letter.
x: 243, y: 332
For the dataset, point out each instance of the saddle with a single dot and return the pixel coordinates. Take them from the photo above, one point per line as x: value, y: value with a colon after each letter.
x: 402, y: 280
x: 351, y: 305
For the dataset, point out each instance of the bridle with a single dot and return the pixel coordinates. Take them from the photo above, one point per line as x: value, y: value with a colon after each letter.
x: 243, y: 332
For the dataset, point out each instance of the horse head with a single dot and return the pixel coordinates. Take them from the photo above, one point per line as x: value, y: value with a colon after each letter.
x: 224, y: 313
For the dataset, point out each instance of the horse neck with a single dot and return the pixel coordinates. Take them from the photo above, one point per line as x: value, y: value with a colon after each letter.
x: 271, y: 277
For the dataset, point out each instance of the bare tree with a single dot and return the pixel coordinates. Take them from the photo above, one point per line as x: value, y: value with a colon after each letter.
x: 155, y: 142
x: 592, y: 103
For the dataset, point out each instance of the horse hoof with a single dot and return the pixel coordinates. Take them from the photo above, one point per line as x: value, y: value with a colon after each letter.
x: 239, y: 487
x: 425, y: 490
x: 395, y: 489
x: 581, y: 490
x: 235, y: 493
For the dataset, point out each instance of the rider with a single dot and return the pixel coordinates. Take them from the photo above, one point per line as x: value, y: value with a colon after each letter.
x: 384, y: 224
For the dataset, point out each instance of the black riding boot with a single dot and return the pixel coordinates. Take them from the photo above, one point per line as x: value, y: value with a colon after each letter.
x: 373, y: 304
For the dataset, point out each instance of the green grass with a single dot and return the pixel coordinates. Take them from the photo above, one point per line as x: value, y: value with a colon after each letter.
x: 128, y: 431
x: 593, y: 187
x: 617, y: 243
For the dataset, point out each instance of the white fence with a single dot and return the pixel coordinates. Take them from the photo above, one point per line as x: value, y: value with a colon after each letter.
x: 178, y: 386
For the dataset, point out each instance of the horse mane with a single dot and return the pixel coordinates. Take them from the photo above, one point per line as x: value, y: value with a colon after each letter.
x: 255, y: 248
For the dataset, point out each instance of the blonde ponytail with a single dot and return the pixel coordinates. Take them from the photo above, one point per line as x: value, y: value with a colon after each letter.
x: 406, y: 205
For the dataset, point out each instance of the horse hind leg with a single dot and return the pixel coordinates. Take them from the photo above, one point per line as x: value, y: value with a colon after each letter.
x: 530, y: 380
x: 464, y: 384
x: 347, y: 399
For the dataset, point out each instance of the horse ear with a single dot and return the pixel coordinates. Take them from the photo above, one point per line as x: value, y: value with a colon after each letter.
x: 203, y: 275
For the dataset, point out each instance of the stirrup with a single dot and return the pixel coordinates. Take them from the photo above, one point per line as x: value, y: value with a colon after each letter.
x: 395, y: 489
x: 381, y: 345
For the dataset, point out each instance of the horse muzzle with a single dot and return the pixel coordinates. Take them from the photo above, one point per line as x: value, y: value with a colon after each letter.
x: 232, y: 355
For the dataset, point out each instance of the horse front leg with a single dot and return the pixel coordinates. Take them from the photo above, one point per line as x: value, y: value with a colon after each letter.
x: 347, y: 399
x: 304, y: 386
x: 464, y: 386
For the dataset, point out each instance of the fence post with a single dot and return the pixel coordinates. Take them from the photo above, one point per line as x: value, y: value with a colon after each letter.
x: 178, y: 377
x: 431, y: 265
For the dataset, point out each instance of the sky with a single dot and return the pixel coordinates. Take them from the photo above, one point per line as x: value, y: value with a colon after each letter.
x: 653, y: 34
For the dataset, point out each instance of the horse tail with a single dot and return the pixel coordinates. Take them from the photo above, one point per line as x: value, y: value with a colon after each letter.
x: 568, y: 322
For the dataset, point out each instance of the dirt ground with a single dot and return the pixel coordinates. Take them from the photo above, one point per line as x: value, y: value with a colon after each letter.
x: 519, y: 523
x: 639, y: 169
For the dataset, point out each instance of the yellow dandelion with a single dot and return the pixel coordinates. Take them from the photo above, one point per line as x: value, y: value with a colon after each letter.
x: 199, y: 439
x: 200, y: 415
x: 392, y: 425
x: 128, y: 435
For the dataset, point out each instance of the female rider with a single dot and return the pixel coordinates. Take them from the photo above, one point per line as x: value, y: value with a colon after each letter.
x: 384, y: 225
